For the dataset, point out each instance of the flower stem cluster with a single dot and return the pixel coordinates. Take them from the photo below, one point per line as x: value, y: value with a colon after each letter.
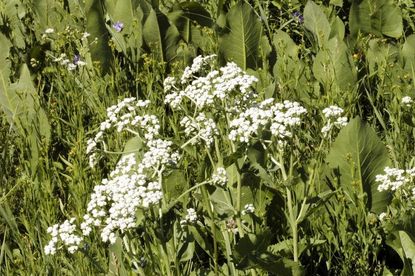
x: 281, y: 117
x: 136, y: 181
x: 395, y: 179
x: 63, y: 234
x: 191, y: 217
x: 333, y: 115
x: 126, y: 115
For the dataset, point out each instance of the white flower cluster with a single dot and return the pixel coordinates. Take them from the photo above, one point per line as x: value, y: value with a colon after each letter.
x: 281, y: 117
x: 394, y: 179
x: 407, y: 101
x: 129, y: 187
x: 334, y: 117
x: 71, y: 65
x: 198, y: 64
x: 203, y: 88
x: 220, y: 177
x: 65, y: 234
x: 190, y: 218
x: 133, y: 183
x: 201, y: 127
x: 248, y: 209
x: 126, y: 115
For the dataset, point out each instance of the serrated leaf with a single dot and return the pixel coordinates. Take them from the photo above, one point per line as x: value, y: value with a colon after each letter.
x: 240, y: 42
x: 359, y: 155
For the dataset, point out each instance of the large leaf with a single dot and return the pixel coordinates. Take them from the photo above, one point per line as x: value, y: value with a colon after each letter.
x: 251, y: 252
x: 175, y: 184
x: 408, y: 53
x: 359, y: 155
x: 240, y: 42
x: 130, y: 39
x: 378, y: 17
x: 20, y: 102
x: 408, y: 247
x: 100, y: 51
x: 46, y: 12
x: 4, y: 55
x: 316, y: 22
x: 159, y: 36
x: 333, y: 66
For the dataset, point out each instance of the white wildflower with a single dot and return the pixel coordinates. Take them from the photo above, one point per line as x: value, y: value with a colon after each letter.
x: 248, y: 209
x: 333, y: 115
x: 407, y: 101
x: 392, y: 180
x: 220, y: 177
x: 49, y: 31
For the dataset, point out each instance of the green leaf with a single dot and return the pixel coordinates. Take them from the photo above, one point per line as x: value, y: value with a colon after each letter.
x: 408, y: 53
x: 95, y: 25
x: 251, y: 252
x: 194, y: 12
x: 5, y: 45
x: 175, y: 184
x: 221, y: 202
x: 359, y: 155
x: 240, y: 41
x: 186, y: 250
x: 116, y: 263
x: 408, y: 247
x: 333, y: 66
x: 316, y: 22
x: 159, y: 36
x: 46, y: 12
x: 378, y: 17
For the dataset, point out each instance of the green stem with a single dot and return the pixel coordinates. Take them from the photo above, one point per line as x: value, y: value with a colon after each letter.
x: 291, y: 215
x: 213, y: 226
x: 238, y: 195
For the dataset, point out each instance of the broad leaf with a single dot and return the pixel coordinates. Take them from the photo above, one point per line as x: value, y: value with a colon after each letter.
x: 221, y: 202
x: 378, y: 17
x: 251, y: 252
x: 333, y: 66
x: 5, y: 45
x: 359, y: 155
x: 95, y: 25
x: 175, y: 184
x: 159, y: 36
x: 408, y: 247
x: 316, y: 22
x: 408, y: 53
x: 240, y: 42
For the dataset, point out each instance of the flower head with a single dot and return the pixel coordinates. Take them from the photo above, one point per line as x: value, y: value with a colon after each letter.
x: 118, y: 26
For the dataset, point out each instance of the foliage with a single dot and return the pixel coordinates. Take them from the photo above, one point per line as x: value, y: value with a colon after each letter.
x: 269, y: 137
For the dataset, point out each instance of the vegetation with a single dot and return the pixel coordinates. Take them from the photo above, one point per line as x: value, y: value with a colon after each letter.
x: 207, y: 138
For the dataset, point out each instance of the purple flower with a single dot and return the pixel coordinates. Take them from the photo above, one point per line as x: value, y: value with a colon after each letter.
x: 298, y: 16
x: 76, y: 59
x: 118, y: 26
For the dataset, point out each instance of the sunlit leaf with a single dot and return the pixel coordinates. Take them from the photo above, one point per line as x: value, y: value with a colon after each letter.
x: 360, y: 155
